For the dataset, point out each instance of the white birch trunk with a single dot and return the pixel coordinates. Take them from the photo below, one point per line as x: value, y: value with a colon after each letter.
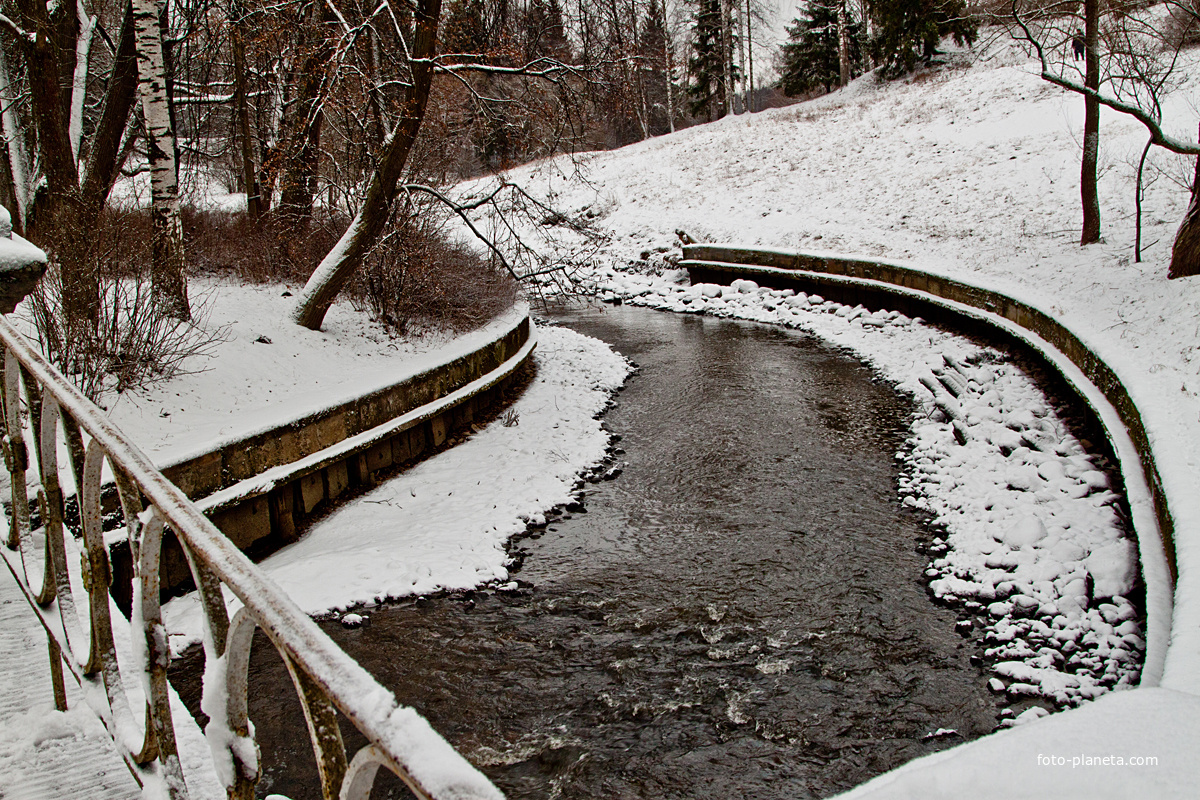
x: 669, y: 61
x: 167, y: 279
x: 83, y: 49
x: 727, y: 58
x: 14, y: 137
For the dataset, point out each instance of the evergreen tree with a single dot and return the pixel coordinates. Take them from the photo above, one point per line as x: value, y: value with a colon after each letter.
x: 652, y: 50
x: 464, y: 30
x: 708, y: 62
x: 907, y: 32
x: 544, y: 35
x: 810, y: 59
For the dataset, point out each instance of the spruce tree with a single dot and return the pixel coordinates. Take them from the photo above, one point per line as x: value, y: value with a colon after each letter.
x: 708, y: 61
x: 810, y: 58
x: 907, y: 32
x: 652, y: 50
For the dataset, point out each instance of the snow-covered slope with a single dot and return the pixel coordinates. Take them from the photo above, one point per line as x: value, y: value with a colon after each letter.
x: 969, y: 171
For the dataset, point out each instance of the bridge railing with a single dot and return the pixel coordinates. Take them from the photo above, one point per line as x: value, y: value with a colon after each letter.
x: 121, y: 664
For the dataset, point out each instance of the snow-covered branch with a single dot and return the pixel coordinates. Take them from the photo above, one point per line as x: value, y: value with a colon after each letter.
x: 1151, y: 120
x: 17, y: 30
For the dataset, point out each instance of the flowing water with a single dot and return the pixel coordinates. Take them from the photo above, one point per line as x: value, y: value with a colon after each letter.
x: 740, y: 614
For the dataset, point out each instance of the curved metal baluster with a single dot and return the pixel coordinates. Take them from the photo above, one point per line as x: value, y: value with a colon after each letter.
x: 56, y: 583
x: 16, y: 456
x: 158, y: 655
x: 231, y: 643
x: 237, y: 668
x: 360, y: 775
x: 323, y: 728
x: 145, y: 749
x: 97, y: 574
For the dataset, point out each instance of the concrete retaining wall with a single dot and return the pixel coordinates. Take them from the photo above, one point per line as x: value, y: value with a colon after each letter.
x: 879, y: 284
x: 261, y: 490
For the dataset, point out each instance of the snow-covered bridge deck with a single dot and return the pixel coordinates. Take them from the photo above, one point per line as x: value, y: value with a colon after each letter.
x: 45, y: 753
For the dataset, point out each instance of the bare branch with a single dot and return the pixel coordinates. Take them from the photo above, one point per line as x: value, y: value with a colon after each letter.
x: 16, y: 29
x: 1151, y: 121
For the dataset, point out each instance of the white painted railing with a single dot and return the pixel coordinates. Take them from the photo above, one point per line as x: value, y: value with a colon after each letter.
x: 66, y: 577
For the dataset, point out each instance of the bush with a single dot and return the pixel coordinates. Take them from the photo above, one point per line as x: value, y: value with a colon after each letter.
x: 131, y: 342
x: 416, y: 277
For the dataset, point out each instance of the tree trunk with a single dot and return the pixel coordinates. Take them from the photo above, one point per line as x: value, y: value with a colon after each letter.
x: 1091, y: 125
x: 669, y: 61
x: 302, y: 138
x: 16, y: 151
x: 56, y: 216
x: 726, y: 61
x: 741, y: 52
x: 167, y: 281
x: 347, y: 255
x: 107, y: 151
x: 241, y: 107
x: 843, y: 46
x: 1185, y: 252
x: 750, y: 57
x: 83, y: 49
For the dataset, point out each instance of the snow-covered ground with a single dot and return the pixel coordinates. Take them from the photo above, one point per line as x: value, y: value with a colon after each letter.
x: 969, y: 171
x: 262, y: 370
x: 444, y: 523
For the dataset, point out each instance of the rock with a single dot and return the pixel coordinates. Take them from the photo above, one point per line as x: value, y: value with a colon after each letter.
x: 1029, y: 531
x: 1113, y: 568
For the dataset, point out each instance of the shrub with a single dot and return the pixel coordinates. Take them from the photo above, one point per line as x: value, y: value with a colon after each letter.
x: 131, y: 342
x: 417, y: 277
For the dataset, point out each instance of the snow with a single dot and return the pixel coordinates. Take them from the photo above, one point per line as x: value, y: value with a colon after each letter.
x: 15, y: 252
x: 969, y: 171
x: 444, y: 523
x: 266, y: 371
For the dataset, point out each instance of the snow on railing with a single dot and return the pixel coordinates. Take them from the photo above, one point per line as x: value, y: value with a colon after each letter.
x: 122, y: 665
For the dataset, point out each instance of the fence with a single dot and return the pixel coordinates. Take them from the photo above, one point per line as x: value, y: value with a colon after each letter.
x: 121, y: 664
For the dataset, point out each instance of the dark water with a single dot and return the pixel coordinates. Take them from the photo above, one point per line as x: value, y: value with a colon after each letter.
x: 739, y: 614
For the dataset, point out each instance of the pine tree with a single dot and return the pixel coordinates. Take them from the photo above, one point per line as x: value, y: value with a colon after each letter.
x: 465, y: 29
x: 811, y: 59
x: 544, y: 35
x: 907, y: 32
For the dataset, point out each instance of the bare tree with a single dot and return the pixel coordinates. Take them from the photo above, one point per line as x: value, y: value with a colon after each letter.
x: 1091, y: 124
x: 1143, y: 54
x: 61, y: 213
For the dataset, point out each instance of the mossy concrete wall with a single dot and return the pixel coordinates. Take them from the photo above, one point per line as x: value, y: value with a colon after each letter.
x: 879, y: 284
x: 260, y: 491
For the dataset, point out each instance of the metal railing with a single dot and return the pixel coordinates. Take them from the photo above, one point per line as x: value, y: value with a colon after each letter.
x: 67, y: 578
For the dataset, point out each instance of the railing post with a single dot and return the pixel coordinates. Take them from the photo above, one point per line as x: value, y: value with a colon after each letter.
x: 56, y: 674
x: 21, y: 265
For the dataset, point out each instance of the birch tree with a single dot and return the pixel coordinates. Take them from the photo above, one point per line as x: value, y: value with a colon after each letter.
x: 167, y: 263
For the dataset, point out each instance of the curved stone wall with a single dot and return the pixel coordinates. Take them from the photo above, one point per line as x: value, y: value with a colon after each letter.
x: 880, y: 284
x: 261, y: 489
